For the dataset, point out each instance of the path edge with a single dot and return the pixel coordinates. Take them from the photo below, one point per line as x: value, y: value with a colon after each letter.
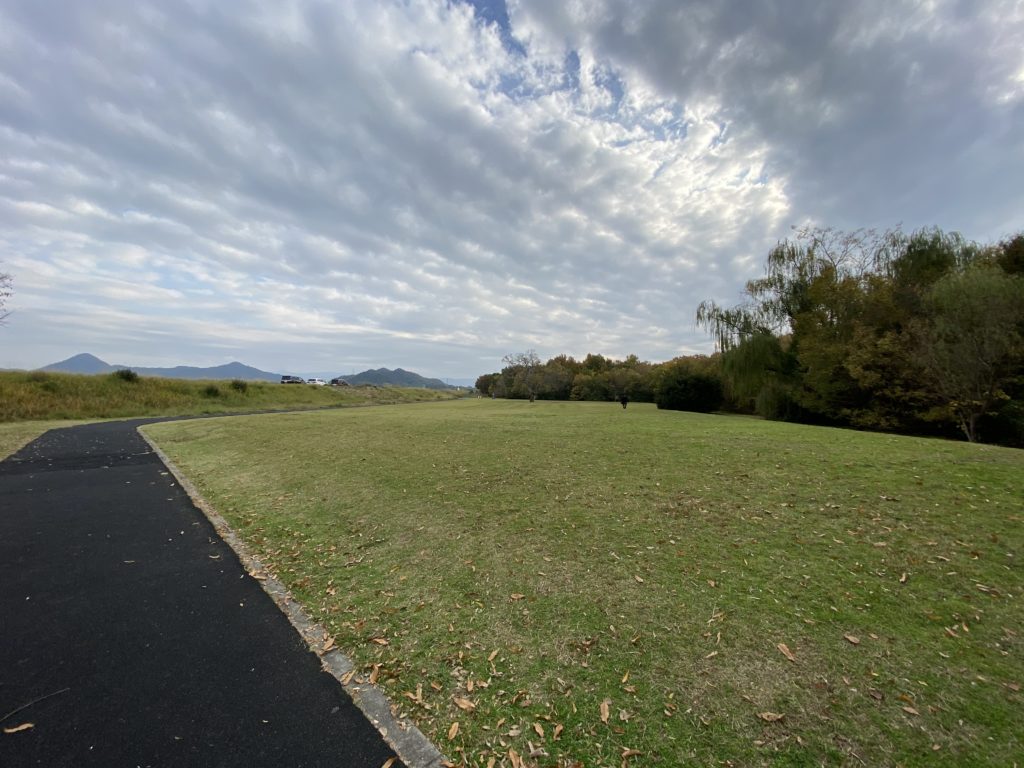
x: 408, y: 742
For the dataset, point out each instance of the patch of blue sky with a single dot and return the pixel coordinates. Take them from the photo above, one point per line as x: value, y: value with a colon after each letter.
x: 496, y: 12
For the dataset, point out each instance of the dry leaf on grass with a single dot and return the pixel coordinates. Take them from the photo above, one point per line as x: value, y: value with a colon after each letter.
x: 911, y: 711
x: 539, y: 729
x: 464, y: 704
x: 22, y: 727
x: 770, y: 717
x: 630, y: 753
x: 389, y: 762
x: 852, y: 639
x: 784, y: 649
x: 604, y: 710
x: 558, y: 731
x: 453, y: 731
x: 380, y: 640
x: 493, y: 655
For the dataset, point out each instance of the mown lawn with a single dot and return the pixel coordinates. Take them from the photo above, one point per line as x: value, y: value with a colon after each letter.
x: 574, y: 583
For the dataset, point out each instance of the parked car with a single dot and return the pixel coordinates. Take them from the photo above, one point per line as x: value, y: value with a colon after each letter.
x: 317, y: 382
x: 339, y: 382
x: 292, y: 380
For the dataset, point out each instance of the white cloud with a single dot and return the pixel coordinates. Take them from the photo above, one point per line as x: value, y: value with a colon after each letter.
x: 305, y: 186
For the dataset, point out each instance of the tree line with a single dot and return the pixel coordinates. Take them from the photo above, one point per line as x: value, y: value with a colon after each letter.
x: 919, y: 333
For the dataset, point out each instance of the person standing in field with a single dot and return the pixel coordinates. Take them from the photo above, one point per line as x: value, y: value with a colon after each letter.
x: 624, y: 399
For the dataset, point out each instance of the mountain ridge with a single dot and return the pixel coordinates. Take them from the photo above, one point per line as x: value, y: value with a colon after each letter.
x: 88, y: 364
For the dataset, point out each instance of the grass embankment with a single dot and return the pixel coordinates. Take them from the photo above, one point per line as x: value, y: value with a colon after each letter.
x: 576, y: 581
x: 39, y: 395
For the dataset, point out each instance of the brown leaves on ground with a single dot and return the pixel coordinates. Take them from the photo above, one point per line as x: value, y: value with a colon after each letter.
x: 605, y: 711
x: 784, y: 650
x: 464, y: 704
x: 453, y: 731
x: 852, y: 639
x: 770, y: 717
x: 389, y: 762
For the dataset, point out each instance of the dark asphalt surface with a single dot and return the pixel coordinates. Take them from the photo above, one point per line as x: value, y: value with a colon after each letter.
x: 117, y: 597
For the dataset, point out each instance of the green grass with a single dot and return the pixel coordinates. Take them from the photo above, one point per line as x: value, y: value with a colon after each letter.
x: 39, y: 395
x: 537, y: 560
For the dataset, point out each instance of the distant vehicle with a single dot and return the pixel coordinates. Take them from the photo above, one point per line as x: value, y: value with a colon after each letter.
x: 292, y: 380
x: 317, y: 382
x: 339, y: 382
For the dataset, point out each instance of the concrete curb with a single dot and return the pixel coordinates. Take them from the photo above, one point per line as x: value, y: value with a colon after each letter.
x: 408, y: 742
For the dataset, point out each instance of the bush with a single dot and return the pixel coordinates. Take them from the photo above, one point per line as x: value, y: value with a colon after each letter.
x: 212, y: 390
x: 126, y: 374
x: 239, y: 385
x: 682, y: 390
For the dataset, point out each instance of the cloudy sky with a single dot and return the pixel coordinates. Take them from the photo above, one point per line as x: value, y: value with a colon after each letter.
x: 332, y: 186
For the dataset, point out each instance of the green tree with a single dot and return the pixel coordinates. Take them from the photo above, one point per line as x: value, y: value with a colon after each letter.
x: 485, y: 383
x: 969, y: 344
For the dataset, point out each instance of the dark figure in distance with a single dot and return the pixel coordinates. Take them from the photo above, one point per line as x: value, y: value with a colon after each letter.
x: 624, y: 399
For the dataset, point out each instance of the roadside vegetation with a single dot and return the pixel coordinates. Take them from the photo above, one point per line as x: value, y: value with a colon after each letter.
x: 566, y: 584
x: 123, y: 394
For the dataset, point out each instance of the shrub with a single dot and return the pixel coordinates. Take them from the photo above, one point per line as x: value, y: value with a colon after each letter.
x: 126, y: 374
x: 680, y: 388
x: 239, y: 385
x: 211, y: 390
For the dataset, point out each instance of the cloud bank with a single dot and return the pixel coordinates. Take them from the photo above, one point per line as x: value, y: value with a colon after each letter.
x: 332, y: 186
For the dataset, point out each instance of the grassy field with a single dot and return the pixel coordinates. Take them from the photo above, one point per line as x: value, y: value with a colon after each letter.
x: 579, y: 582
x: 39, y: 395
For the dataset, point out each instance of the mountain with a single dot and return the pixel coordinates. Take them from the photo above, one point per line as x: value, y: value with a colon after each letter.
x: 397, y: 378
x: 84, y: 363
x: 90, y: 364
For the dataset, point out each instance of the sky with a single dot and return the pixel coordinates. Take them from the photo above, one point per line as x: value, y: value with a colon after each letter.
x: 335, y: 186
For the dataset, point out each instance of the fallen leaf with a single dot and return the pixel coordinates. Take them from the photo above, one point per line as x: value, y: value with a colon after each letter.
x: 22, y: 727
x: 493, y: 655
x: 604, y: 710
x: 852, y: 639
x: 389, y: 762
x: 558, y: 731
x: 375, y: 674
x: 770, y: 717
x: 380, y: 640
x: 464, y: 704
x: 903, y: 579
x: 328, y: 645
x: 625, y: 677
x: 453, y: 731
x: 469, y: 685
x: 515, y: 759
x: 539, y: 729
x: 784, y: 649
x: 516, y: 596
x: 630, y: 753
x: 348, y: 677
x: 638, y: 579
x: 491, y: 761
x: 911, y: 711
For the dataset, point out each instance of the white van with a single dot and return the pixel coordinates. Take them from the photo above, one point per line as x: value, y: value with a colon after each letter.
x: 317, y: 382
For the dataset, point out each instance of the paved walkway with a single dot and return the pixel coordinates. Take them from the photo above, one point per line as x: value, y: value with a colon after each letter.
x: 152, y: 646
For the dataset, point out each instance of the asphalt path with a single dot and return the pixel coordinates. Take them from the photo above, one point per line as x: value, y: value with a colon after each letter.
x: 131, y: 635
